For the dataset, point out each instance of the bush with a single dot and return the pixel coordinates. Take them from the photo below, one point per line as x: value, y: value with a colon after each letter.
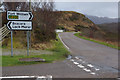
x: 74, y: 17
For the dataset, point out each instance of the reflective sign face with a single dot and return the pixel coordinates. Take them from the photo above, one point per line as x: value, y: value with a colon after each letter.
x: 16, y: 15
x: 19, y: 25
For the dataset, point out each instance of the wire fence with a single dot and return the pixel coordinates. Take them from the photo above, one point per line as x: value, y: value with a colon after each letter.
x: 3, y: 32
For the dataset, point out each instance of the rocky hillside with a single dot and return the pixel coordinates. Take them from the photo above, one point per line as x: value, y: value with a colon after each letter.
x: 70, y: 20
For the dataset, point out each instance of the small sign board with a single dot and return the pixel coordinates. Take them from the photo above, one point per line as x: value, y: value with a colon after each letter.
x: 19, y: 25
x: 17, y: 15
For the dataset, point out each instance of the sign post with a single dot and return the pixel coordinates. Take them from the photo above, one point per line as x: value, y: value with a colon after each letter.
x: 21, y: 21
x: 27, y: 43
x: 11, y: 43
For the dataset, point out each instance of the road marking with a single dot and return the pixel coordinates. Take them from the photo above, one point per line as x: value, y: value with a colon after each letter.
x: 76, y: 57
x: 75, y: 62
x: 92, y: 73
x: 81, y: 66
x: 37, y: 77
x: 97, y: 69
x: 87, y: 70
x: 72, y: 60
x: 89, y: 65
x: 63, y: 42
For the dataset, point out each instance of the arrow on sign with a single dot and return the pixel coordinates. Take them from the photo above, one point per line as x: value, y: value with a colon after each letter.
x: 8, y: 25
x: 19, y: 25
x: 16, y: 15
x: 31, y: 16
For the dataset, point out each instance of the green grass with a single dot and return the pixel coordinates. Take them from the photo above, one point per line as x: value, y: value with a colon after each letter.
x: 59, y: 53
x: 100, y: 42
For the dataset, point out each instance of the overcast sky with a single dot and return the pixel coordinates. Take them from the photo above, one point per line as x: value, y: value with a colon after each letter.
x: 101, y: 9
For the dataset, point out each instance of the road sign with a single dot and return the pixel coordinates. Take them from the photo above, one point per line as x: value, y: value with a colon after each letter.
x: 19, y: 25
x: 16, y: 15
x: 21, y: 21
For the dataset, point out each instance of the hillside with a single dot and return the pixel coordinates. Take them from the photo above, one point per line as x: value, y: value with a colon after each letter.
x: 70, y: 19
x: 109, y: 27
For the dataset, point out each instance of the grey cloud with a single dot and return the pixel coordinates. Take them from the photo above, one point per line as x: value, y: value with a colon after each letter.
x: 102, y: 9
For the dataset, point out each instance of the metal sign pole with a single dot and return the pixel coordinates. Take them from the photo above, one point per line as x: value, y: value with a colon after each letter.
x: 27, y: 43
x: 11, y: 43
x: 28, y: 34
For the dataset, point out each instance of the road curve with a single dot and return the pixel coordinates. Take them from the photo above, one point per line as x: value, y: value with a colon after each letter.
x: 95, y: 53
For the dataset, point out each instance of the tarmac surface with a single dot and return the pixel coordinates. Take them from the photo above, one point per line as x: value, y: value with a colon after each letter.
x: 89, y: 60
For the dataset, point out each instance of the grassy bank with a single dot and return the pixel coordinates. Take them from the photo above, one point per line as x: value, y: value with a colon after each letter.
x: 59, y: 53
x: 100, y: 42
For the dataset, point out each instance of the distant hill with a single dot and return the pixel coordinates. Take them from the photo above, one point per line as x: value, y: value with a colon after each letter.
x: 109, y: 27
x: 102, y: 20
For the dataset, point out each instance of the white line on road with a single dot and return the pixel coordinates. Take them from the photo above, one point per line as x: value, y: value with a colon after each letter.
x: 71, y: 59
x: 37, y: 77
x: 84, y: 68
x: 63, y: 42
x: 81, y: 66
x: 87, y: 70
x: 75, y: 62
x: 97, y: 69
x: 76, y: 57
x: 89, y: 65
x: 92, y: 73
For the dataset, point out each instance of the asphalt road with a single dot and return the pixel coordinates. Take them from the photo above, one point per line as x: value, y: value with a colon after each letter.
x: 93, y: 52
x: 89, y: 60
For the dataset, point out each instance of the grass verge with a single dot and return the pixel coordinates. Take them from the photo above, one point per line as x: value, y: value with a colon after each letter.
x: 100, y: 42
x: 59, y: 53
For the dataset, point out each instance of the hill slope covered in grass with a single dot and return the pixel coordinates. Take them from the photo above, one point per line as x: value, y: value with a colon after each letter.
x: 70, y: 19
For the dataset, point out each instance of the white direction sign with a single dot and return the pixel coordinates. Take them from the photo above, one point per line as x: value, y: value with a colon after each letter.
x: 19, y: 25
x: 16, y: 15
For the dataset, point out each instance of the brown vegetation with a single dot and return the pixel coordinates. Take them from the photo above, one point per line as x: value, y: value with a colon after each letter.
x: 44, y: 22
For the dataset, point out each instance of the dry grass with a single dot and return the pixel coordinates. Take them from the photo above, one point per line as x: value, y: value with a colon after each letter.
x: 44, y: 45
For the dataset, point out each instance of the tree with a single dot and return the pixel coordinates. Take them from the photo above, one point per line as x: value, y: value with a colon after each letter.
x: 45, y: 21
x: 16, y: 5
